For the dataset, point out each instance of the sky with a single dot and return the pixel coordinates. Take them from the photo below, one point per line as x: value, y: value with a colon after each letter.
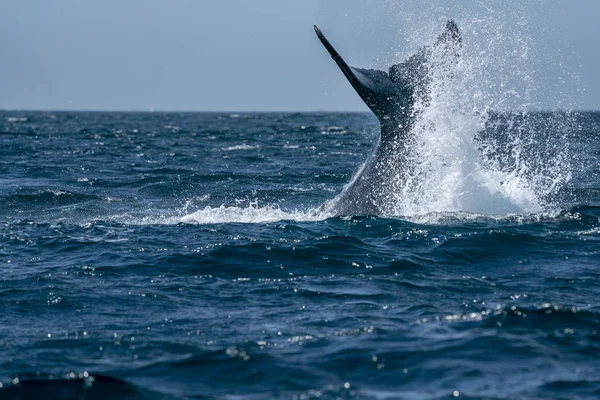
x: 263, y: 55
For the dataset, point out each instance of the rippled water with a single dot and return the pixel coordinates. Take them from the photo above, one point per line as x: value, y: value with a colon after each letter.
x: 152, y: 255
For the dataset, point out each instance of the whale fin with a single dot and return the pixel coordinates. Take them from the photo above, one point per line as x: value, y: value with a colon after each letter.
x: 373, y: 86
x: 391, y: 95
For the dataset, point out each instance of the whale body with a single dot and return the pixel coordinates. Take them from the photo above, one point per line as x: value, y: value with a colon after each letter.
x: 391, y: 96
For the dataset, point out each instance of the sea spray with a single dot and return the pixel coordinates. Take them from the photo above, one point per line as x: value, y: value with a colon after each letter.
x: 475, y: 145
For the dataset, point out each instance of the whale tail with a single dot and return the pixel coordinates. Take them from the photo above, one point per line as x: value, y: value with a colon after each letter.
x: 390, y: 95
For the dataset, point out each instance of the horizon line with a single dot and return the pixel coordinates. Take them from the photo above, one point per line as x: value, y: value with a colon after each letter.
x: 177, y: 111
x: 317, y: 111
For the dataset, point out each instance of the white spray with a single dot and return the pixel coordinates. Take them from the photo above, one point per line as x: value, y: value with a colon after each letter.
x: 457, y: 168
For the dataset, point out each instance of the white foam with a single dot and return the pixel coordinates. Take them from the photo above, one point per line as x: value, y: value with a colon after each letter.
x: 240, y: 147
x: 249, y: 215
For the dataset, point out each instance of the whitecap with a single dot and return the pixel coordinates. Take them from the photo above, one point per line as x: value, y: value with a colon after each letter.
x: 240, y: 147
x: 250, y: 215
x: 16, y: 119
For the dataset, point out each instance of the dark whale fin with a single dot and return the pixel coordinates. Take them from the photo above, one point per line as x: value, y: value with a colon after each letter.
x: 391, y: 95
x: 373, y: 86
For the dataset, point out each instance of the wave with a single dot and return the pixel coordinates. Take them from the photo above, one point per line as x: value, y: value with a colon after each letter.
x: 51, y: 197
x: 75, y: 386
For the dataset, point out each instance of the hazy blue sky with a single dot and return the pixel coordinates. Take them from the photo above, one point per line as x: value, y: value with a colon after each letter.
x: 254, y: 55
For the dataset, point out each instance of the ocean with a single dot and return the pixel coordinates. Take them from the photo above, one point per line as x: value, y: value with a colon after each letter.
x: 191, y: 256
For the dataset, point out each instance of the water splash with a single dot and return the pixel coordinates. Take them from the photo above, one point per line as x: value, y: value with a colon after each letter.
x: 247, y: 212
x: 468, y: 153
x: 250, y: 214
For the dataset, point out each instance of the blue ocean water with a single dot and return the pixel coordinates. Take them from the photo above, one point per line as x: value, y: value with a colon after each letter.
x: 185, y: 255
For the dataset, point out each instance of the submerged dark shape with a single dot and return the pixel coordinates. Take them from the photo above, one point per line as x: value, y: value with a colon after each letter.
x: 392, y: 97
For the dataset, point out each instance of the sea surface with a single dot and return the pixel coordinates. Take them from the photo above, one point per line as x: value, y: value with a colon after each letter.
x: 188, y: 256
